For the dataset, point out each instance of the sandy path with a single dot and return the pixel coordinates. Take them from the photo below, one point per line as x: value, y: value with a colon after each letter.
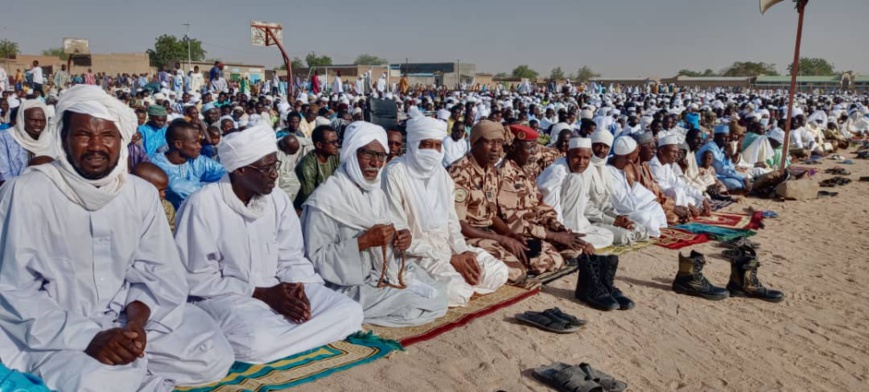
x: 816, y: 340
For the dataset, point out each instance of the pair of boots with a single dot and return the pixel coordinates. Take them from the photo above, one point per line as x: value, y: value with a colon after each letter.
x: 595, y: 283
x: 743, y: 278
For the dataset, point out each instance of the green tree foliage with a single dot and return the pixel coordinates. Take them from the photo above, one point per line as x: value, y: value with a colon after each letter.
x: 168, y: 50
x: 749, y: 68
x: 585, y: 73
x: 556, y: 73
x: 687, y: 72
x: 314, y: 60
x: 55, y: 52
x: 368, y: 59
x: 524, y: 71
x: 813, y: 67
x: 295, y: 64
x: 8, y: 49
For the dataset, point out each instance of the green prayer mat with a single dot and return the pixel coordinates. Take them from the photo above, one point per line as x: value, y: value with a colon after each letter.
x: 717, y: 232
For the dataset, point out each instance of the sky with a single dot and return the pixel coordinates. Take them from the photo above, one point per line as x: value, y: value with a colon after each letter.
x: 616, y: 38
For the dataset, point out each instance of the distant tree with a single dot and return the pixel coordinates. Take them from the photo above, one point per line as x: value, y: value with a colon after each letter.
x: 749, y: 68
x: 317, y: 61
x: 169, y: 49
x: 688, y: 72
x: 501, y: 75
x: 524, y: 71
x: 813, y: 67
x: 295, y: 64
x: 556, y: 74
x: 709, y: 72
x: 368, y: 59
x: 585, y: 74
x: 8, y: 49
x: 55, y: 52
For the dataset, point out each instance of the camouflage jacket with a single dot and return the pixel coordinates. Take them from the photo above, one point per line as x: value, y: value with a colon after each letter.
x: 476, y: 192
x: 521, y: 206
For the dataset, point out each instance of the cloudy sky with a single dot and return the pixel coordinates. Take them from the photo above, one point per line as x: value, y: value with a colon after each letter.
x: 617, y: 38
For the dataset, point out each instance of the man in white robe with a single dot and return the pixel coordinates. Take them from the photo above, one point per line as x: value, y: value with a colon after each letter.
x: 381, y: 85
x: 420, y: 196
x: 565, y: 185
x: 92, y: 290
x: 456, y: 145
x: 629, y: 197
x: 242, y: 246
x: 599, y: 210
x: 354, y: 245
x: 668, y: 175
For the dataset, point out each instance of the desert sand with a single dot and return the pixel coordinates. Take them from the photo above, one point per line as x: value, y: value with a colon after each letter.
x: 816, y: 340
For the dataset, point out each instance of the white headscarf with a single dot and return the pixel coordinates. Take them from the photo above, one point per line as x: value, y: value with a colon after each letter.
x: 601, y: 180
x: 42, y: 146
x: 239, y: 149
x: 427, y: 178
x: 93, y: 101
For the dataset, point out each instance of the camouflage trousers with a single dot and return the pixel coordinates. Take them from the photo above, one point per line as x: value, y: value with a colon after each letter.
x: 548, y: 260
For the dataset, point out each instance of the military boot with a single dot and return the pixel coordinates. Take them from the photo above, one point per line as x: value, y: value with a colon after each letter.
x: 589, y: 286
x: 611, y: 265
x: 690, y: 280
x: 744, y: 282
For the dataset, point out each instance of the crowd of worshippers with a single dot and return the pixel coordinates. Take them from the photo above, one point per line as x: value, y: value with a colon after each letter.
x: 201, y: 236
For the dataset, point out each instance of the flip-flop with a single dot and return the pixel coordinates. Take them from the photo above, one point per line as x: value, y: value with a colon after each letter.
x: 607, y: 382
x: 568, y: 318
x: 770, y: 214
x: 827, y: 194
x: 864, y: 179
x: 546, y: 323
x: 565, y: 378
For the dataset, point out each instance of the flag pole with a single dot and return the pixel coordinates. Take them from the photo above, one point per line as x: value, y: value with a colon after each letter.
x: 801, y: 8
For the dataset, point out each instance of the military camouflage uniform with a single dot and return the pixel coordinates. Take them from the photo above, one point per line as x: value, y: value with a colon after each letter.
x: 521, y: 207
x: 544, y: 157
x: 475, y: 200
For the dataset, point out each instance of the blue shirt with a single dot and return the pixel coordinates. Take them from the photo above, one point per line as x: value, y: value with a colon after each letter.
x: 152, y: 138
x: 13, y: 157
x: 723, y: 165
x: 188, y: 177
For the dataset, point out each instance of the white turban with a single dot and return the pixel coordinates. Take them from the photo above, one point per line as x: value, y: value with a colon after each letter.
x: 602, y: 136
x: 624, y: 145
x: 239, y: 149
x: 669, y: 140
x: 42, y: 146
x: 93, y: 101
x: 557, y: 128
x: 426, y: 176
x: 443, y: 114
x: 579, y: 142
x: 586, y: 114
x: 422, y: 128
x: 778, y: 135
x: 358, y: 134
x: 321, y: 121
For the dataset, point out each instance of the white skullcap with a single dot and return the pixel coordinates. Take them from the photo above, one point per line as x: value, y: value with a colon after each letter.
x: 557, y: 128
x: 321, y: 121
x: 624, y: 145
x: 239, y: 149
x: 586, y: 114
x: 443, y: 114
x: 422, y: 128
x: 778, y: 135
x: 579, y: 142
x: 602, y: 136
x: 357, y: 111
x: 669, y: 140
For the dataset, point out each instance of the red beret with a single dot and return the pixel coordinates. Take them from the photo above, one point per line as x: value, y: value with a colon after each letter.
x: 523, y: 133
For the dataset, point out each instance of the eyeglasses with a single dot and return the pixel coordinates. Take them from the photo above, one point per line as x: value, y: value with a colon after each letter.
x: 372, y: 155
x: 268, y: 170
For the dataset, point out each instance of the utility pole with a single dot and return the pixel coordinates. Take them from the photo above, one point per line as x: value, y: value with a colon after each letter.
x: 187, y: 38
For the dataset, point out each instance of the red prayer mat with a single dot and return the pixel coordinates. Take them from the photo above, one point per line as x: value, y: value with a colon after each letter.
x: 678, y: 239
x: 732, y: 221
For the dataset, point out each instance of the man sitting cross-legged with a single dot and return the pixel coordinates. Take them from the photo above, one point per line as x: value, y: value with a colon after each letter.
x: 242, y: 246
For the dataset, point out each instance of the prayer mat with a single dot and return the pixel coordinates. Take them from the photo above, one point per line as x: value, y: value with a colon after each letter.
x: 732, y: 221
x: 717, y: 232
x: 357, y: 349
x: 620, y: 250
x: 547, y: 277
x: 719, y: 204
x: 799, y: 170
x: 456, y: 317
x: 678, y: 239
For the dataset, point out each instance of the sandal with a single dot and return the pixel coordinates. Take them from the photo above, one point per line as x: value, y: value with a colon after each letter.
x: 568, y: 318
x: 607, y: 382
x: 827, y: 194
x: 565, y: 378
x: 864, y: 179
x: 547, y: 323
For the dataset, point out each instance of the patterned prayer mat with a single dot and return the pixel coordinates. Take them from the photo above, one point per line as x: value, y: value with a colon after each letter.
x: 301, y: 368
x: 719, y: 233
x: 732, y: 221
x: 456, y: 317
x: 620, y: 250
x: 678, y: 239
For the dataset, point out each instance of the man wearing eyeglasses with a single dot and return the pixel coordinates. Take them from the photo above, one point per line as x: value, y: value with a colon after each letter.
x: 241, y: 244
x: 187, y: 169
x: 316, y: 167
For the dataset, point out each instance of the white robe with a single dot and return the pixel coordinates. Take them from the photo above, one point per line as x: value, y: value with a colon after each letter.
x: 637, y: 202
x: 67, y: 273
x: 669, y: 179
x: 433, y: 248
x: 567, y: 193
x: 228, y: 255
x: 600, y: 212
x: 454, y: 150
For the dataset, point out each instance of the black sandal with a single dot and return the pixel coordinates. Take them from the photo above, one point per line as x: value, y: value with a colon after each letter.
x: 565, y: 378
x: 547, y: 323
x: 568, y: 318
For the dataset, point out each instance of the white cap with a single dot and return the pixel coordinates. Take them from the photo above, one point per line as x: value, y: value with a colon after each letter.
x: 778, y: 135
x: 669, y: 140
x: 602, y: 136
x: 624, y: 145
x: 579, y: 142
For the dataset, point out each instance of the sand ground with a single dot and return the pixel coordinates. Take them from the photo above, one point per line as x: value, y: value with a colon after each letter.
x: 816, y: 340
